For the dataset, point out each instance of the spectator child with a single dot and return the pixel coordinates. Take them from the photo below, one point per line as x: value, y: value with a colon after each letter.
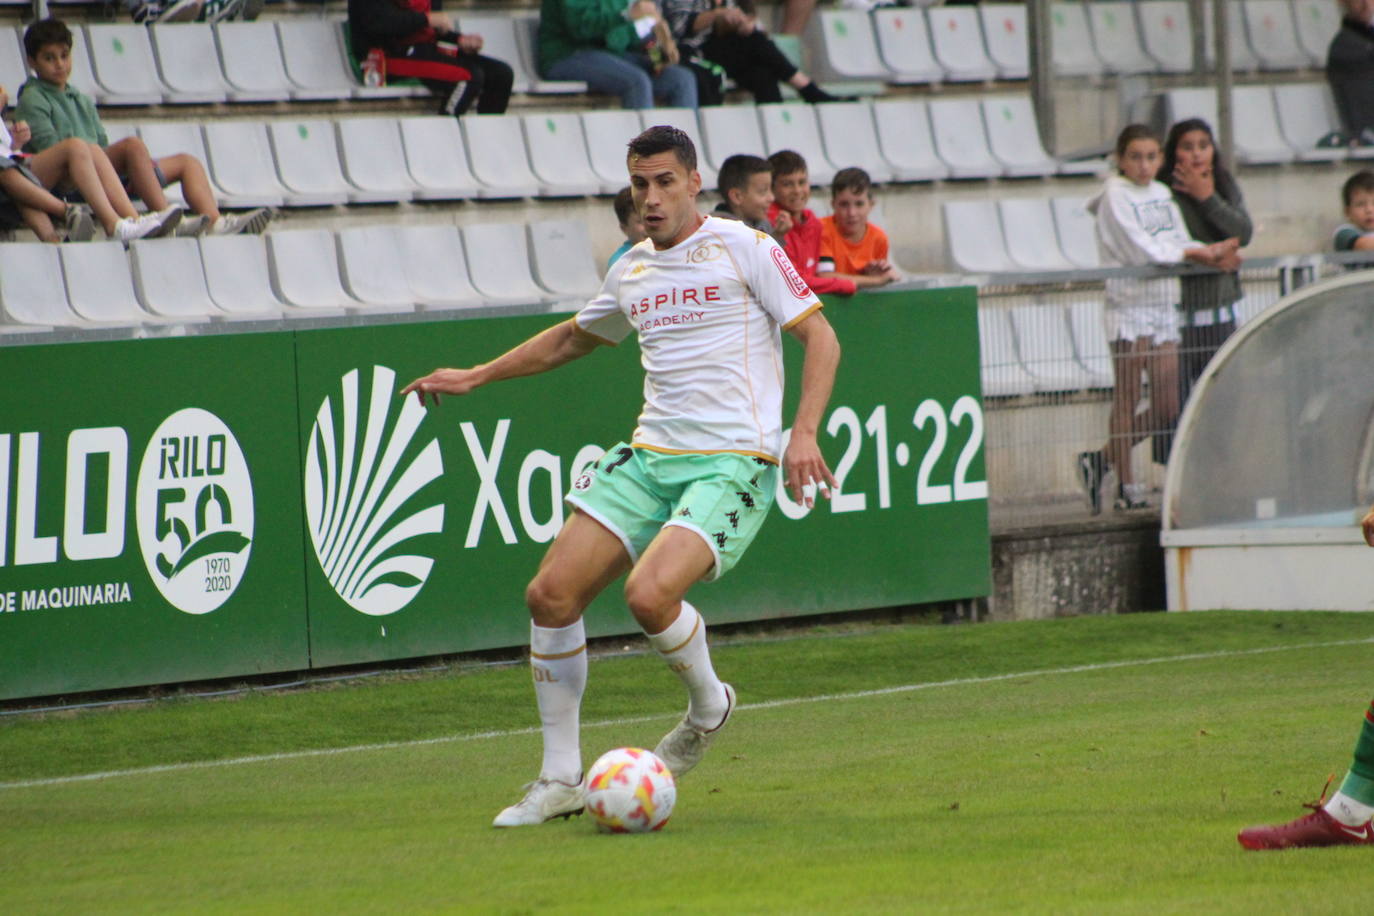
x: 746, y: 191
x: 799, y: 227
x: 631, y: 223
x: 1357, y: 233
x: 418, y: 40
x: 56, y: 110
x: 851, y: 246
x: 1139, y: 224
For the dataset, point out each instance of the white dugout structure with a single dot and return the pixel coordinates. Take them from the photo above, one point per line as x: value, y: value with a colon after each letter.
x: 1273, y: 461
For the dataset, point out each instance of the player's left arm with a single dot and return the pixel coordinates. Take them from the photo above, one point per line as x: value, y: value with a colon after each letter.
x: 803, y: 462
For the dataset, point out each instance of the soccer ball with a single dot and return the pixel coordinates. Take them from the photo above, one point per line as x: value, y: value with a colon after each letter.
x: 629, y: 790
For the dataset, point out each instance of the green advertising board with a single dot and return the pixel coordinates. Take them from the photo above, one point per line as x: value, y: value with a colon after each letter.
x: 236, y: 504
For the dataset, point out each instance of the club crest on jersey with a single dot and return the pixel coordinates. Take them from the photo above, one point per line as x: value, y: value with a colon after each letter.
x: 795, y: 283
x: 706, y: 251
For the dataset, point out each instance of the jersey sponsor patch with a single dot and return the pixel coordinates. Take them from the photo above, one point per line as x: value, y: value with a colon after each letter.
x: 795, y: 283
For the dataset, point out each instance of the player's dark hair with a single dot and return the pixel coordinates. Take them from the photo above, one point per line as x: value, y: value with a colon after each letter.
x: 1131, y: 133
x: 624, y: 205
x: 1219, y: 173
x: 664, y: 139
x: 736, y: 171
x: 786, y: 162
x: 853, y: 180
x: 1363, y: 180
x: 50, y: 31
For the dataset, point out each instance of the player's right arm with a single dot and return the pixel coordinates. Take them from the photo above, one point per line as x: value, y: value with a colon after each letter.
x: 547, y: 350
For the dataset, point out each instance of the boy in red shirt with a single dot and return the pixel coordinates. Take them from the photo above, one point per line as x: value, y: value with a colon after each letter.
x: 852, y: 248
x: 799, y: 228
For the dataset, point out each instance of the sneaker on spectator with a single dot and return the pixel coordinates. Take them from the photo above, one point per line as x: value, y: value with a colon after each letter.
x: 150, y: 11
x: 221, y: 10
x: 165, y: 220
x: 253, y: 222
x: 131, y: 228
x: 192, y: 225
x: 79, y: 224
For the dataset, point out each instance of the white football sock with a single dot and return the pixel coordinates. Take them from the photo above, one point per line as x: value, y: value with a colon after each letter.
x: 683, y: 646
x: 558, y: 661
x: 1348, y: 811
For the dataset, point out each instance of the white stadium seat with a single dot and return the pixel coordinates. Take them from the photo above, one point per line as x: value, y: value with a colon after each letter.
x: 496, y: 149
x: 373, y: 160
x: 793, y: 125
x: 526, y: 32
x: 237, y: 276
x: 906, y: 140
x: 1243, y: 59
x: 1045, y: 344
x: 608, y: 131
x: 1028, y: 230
x: 13, y: 70
x: 1014, y: 136
x: 960, y: 138
x: 100, y: 285
x: 904, y: 44
x: 1089, y: 327
x: 251, y: 58
x: 1273, y: 34
x: 850, y: 136
x: 957, y: 37
x: 499, y: 264
x: 312, y: 51
x: 1072, y: 40
x: 437, y: 158
x: 843, y: 46
x: 973, y: 237
x: 371, y: 266
x: 558, y: 155
x: 1001, y: 370
x: 1317, y: 22
x: 307, y: 158
x: 122, y: 66
x: 730, y: 129
x: 167, y: 138
x: 304, y: 267
x: 436, y: 266
x: 1166, y: 28
x: 1076, y: 230
x: 170, y: 280
x: 561, y: 254
x: 1004, y: 35
x: 187, y: 62
x: 1307, y: 113
x: 31, y: 288
x: 1116, y: 37
x: 239, y: 158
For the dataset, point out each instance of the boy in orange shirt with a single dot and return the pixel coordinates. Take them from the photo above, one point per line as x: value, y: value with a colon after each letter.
x: 851, y: 246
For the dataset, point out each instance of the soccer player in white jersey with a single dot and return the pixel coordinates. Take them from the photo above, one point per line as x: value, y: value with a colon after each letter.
x: 683, y: 498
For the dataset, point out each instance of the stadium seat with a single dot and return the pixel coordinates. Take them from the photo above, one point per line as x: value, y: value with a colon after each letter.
x: 558, y: 155
x: 503, y: 37
x: 1044, y: 342
x: 906, y: 141
x: 166, y: 138
x: 1317, y: 22
x: 499, y: 264
x: 1004, y: 35
x: 1072, y: 40
x: 1273, y: 34
x: 100, y: 285
x: 1001, y: 370
x: 239, y: 158
x: 1306, y: 114
x: 849, y: 136
x: 187, y: 62
x: 1257, y: 136
x: 731, y: 129
x: 607, y: 132
x: 251, y: 57
x: 303, y: 265
x: 307, y: 158
x: 1243, y: 59
x: 122, y: 68
x: 13, y: 70
x: 436, y: 266
x: 526, y: 37
x: 957, y: 38
x: 313, y: 53
x: 371, y: 266
x: 561, y: 255
x: 170, y: 280
x: 1089, y: 328
x: 1014, y: 137
x: 1076, y: 230
x: 1116, y: 37
x: 793, y: 125
x: 1167, y: 31
x: 437, y: 158
x: 1028, y: 230
x: 373, y: 160
x: 237, y: 276
x: 904, y: 45
x: 974, y: 238
x: 496, y: 151
x: 685, y: 120
x: 31, y: 288
x: 960, y: 138
x: 843, y: 47
x: 119, y: 130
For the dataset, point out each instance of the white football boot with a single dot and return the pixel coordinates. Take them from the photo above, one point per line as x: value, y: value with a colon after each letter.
x: 545, y: 799
x: 684, y: 746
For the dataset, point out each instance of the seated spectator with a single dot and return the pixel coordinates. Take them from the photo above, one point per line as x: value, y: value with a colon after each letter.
x: 724, y: 39
x: 1357, y: 232
x: 1350, y: 69
x: 147, y: 12
x: 851, y: 246
x: 746, y: 190
x: 415, y: 39
x: 56, y: 110
x: 800, y: 228
x: 626, y: 53
x: 631, y: 223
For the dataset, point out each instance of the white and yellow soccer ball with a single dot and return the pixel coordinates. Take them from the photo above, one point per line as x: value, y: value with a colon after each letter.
x: 629, y: 790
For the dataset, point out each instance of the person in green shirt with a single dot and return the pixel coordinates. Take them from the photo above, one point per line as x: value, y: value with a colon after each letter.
x: 627, y: 51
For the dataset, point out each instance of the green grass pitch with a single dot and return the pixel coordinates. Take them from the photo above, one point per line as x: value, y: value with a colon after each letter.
x: 1093, y: 765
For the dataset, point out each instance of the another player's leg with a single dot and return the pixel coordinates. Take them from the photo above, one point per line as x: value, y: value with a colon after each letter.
x: 1343, y: 821
x: 581, y: 562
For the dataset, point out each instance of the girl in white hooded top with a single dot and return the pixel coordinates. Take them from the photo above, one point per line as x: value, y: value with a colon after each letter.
x: 1138, y: 224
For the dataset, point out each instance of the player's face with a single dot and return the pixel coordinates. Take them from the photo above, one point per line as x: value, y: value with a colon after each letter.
x: 665, y: 195
x: 1141, y: 160
x: 753, y: 200
x: 1195, y: 150
x: 851, y: 212
x: 53, y: 64
x: 792, y: 192
x: 1361, y: 210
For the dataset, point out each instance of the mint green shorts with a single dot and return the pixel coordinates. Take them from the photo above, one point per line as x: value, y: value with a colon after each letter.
x: 636, y: 492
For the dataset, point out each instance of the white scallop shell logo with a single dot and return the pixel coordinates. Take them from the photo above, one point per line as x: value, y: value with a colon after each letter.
x: 363, y: 503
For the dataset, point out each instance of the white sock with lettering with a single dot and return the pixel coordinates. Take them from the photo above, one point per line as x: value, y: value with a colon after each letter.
x: 558, y: 661
x: 1348, y: 811
x: 683, y: 646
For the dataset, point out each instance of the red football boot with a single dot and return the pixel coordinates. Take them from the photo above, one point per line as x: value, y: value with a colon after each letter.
x: 1315, y: 829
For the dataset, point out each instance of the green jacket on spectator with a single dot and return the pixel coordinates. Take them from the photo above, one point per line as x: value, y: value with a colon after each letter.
x: 55, y: 114
x: 566, y: 26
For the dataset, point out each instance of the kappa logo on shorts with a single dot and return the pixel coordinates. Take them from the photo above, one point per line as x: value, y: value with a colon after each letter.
x: 795, y: 283
x: 733, y: 519
x: 745, y: 498
x: 582, y: 482
x: 684, y: 512
x: 720, y: 538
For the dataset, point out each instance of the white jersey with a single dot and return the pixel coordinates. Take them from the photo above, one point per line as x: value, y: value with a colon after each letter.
x: 1138, y: 226
x: 709, y: 313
